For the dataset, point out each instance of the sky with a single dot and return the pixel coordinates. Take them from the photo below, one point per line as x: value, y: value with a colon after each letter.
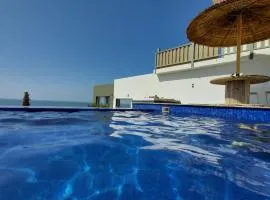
x: 59, y: 49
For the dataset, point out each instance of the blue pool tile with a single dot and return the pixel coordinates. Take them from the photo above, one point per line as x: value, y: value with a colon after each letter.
x: 237, y: 113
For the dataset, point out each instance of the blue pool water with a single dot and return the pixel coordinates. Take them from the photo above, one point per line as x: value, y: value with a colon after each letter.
x: 131, y: 155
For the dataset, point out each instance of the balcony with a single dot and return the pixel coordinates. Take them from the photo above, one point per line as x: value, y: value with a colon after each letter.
x: 191, y: 53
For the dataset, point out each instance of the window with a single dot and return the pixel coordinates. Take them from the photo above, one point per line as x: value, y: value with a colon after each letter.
x: 97, y: 100
x: 107, y: 100
x: 102, y: 101
x: 253, y: 98
x: 123, y: 103
x: 267, y: 94
x: 117, y: 103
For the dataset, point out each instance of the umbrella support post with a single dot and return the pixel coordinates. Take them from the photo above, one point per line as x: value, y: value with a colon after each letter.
x: 239, y: 38
x: 237, y: 92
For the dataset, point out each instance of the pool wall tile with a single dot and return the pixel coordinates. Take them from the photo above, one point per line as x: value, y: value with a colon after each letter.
x: 238, y: 113
x: 259, y: 114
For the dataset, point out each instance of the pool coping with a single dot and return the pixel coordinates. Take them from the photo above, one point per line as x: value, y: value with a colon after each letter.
x: 67, y: 109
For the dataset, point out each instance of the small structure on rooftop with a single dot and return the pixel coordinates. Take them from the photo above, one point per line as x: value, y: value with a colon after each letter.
x: 229, y: 23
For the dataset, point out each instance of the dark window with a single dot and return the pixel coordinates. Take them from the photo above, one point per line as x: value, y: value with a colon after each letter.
x: 117, y: 103
x: 220, y: 52
x: 107, y: 100
x: 97, y: 100
x: 123, y: 103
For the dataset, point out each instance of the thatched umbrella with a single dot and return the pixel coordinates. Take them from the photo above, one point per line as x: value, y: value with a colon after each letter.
x: 230, y: 23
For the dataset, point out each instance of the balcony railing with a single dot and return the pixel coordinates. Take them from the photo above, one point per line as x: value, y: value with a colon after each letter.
x: 248, y: 47
x: 191, y: 52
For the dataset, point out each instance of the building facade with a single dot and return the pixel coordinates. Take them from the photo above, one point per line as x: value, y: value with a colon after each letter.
x: 103, y: 95
x: 184, y: 73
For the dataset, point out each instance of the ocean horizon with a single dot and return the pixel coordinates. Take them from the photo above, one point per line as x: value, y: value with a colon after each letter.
x: 17, y: 102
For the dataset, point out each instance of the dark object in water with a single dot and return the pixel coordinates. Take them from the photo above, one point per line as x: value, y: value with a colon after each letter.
x: 26, y: 99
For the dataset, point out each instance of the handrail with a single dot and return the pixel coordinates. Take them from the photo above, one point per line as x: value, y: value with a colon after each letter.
x: 191, y: 52
x: 184, y: 54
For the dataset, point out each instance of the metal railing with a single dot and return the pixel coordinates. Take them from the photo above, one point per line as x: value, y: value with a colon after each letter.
x: 191, y: 52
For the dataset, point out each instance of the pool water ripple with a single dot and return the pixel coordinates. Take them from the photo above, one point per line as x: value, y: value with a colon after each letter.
x: 131, y: 155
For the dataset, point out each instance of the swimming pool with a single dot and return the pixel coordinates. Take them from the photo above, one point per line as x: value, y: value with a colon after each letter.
x: 131, y: 155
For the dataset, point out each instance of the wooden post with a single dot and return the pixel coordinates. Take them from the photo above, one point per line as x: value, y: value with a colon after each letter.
x: 192, y: 54
x: 239, y: 42
x: 157, y: 60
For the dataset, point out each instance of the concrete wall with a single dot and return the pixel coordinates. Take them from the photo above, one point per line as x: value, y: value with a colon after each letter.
x: 103, y: 90
x: 176, y: 81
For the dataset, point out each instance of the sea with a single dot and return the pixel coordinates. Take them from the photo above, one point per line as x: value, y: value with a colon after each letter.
x: 17, y: 102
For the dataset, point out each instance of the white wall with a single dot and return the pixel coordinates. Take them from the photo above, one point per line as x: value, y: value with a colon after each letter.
x: 176, y: 82
x: 136, y: 87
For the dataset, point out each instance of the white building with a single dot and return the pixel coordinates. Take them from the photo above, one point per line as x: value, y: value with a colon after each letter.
x: 184, y: 73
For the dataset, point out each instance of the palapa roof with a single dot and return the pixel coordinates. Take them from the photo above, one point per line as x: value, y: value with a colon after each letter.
x: 217, y: 25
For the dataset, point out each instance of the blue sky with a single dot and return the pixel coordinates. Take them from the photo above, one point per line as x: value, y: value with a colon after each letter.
x: 58, y: 49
